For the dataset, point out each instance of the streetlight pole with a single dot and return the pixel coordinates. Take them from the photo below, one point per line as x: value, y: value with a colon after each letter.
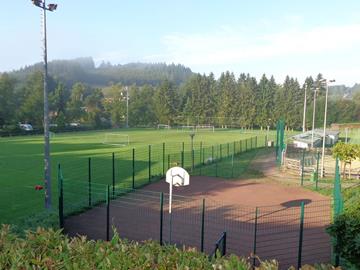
x: 47, y: 162
x: 127, y: 107
x: 313, y: 120
x: 324, y: 133
x: 304, y: 115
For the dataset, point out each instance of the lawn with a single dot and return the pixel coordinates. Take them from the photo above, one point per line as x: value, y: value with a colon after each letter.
x: 21, y: 160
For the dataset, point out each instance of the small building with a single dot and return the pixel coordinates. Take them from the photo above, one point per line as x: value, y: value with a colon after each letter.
x: 307, y: 139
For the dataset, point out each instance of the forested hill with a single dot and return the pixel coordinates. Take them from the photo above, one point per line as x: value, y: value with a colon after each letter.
x: 341, y: 91
x: 83, y: 70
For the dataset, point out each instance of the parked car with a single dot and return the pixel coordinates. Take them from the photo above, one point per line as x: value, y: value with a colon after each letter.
x: 26, y: 127
x: 74, y: 124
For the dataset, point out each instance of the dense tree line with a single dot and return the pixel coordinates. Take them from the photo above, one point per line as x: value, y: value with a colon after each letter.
x: 201, y: 99
x: 84, y: 70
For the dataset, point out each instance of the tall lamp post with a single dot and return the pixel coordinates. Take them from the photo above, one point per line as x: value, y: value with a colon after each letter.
x: 326, y: 82
x: 127, y: 107
x: 47, y: 166
x: 304, y: 115
x: 313, y: 120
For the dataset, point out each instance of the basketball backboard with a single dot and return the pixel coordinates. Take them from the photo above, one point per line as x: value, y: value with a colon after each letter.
x: 177, y: 176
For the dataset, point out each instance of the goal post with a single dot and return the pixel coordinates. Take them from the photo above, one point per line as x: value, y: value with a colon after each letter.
x: 186, y: 128
x: 163, y: 126
x: 205, y: 128
x: 116, y: 139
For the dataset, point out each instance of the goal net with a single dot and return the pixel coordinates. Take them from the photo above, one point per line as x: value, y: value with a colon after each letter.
x: 205, y: 128
x: 186, y: 128
x: 163, y: 126
x: 116, y: 139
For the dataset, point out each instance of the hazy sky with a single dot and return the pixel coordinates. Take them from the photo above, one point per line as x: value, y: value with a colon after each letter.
x: 276, y: 37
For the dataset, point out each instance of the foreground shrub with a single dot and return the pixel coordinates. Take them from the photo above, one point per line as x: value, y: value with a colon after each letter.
x: 346, y: 233
x: 49, y: 249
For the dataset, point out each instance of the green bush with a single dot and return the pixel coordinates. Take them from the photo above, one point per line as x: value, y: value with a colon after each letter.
x: 49, y: 249
x: 346, y: 233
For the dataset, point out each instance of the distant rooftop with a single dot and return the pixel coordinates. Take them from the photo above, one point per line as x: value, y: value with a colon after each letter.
x: 318, y: 134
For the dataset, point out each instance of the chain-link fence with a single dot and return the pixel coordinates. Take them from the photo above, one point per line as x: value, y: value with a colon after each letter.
x: 293, y: 233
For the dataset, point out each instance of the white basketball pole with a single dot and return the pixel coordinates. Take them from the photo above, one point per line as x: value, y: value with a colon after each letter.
x: 170, y: 205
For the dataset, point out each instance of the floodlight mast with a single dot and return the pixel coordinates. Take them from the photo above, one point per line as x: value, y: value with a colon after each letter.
x: 326, y: 82
x: 47, y: 162
x: 127, y: 107
x: 313, y: 120
x: 304, y: 115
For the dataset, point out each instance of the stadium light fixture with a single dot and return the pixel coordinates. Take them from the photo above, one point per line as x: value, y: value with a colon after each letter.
x: 47, y: 162
x: 326, y: 83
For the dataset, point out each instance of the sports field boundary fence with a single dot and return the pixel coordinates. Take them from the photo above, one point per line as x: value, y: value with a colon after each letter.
x: 136, y: 167
x: 293, y: 233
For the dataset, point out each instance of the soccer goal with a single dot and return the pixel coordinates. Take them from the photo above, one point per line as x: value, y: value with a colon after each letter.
x: 116, y: 139
x: 163, y: 126
x: 187, y: 128
x: 205, y: 128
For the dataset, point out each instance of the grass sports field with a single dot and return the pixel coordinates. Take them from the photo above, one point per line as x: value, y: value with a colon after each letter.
x: 21, y: 160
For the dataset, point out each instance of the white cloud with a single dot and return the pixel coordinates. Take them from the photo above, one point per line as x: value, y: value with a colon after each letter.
x: 231, y: 47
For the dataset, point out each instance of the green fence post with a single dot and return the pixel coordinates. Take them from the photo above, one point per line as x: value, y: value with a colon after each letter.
x: 317, y: 171
x: 240, y: 146
x: 202, y: 226
x: 61, y: 198
x: 228, y: 149
x: 168, y: 167
x: 149, y: 163
x: 302, y: 168
x: 232, y: 166
x: 203, y: 157
x: 163, y: 158
x: 182, y: 159
x: 246, y: 140
x: 212, y: 154
x: 216, y: 167
x: 113, y: 174
x: 301, y: 235
x: 234, y: 148
x: 89, y: 180
x: 337, y: 202
x: 192, y: 160
x: 183, y: 147
x: 133, y: 168
x: 255, y: 235
x: 220, y: 151
x: 161, y: 216
x: 107, y: 213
